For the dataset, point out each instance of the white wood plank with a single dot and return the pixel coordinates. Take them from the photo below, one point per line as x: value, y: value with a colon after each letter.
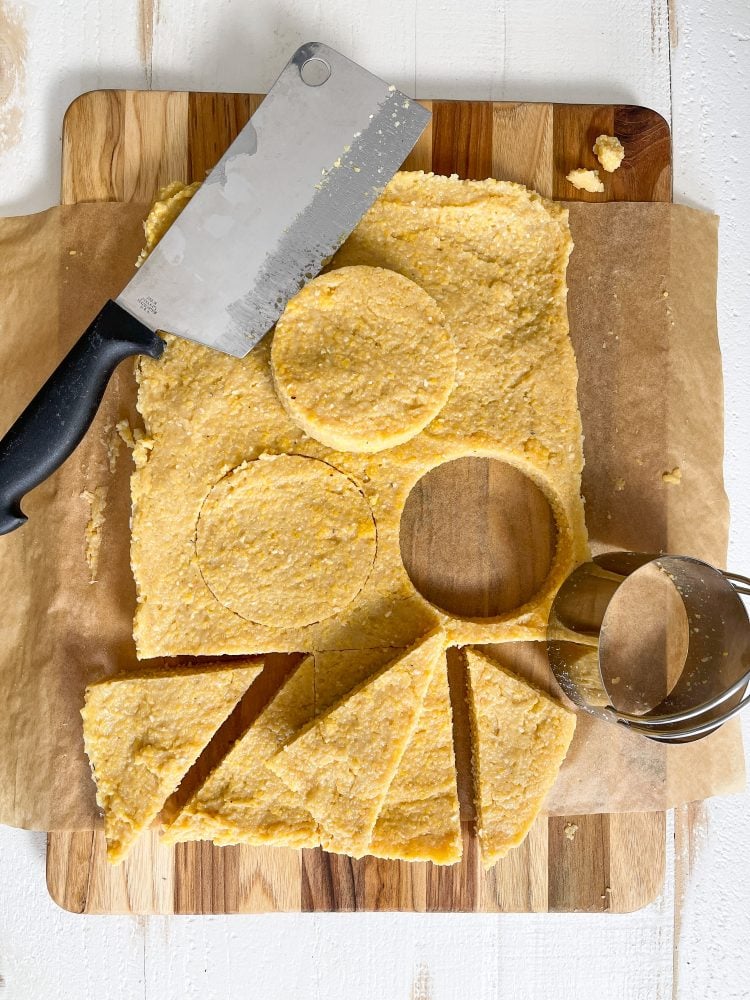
x: 711, y: 95
x: 544, y: 51
x: 711, y: 68
x: 46, y: 952
x: 321, y: 956
x: 422, y: 956
x: 243, y: 47
x: 70, y: 48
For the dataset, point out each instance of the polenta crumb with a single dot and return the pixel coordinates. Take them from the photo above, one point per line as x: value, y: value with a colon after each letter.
x: 609, y: 151
x: 672, y: 477
x: 586, y: 180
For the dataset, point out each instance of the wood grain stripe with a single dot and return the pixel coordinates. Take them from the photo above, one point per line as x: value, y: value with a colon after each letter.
x: 205, y: 878
x: 518, y: 883
x: 395, y: 885
x: 634, y: 836
x: 646, y: 172
x: 228, y: 114
x: 330, y: 882
x: 579, y: 877
x: 420, y: 157
x: 462, y: 138
x: 68, y: 867
x: 155, y: 138
x: 522, y: 148
x: 575, y: 129
x: 93, y: 139
x: 457, y: 888
x: 148, y: 13
x: 269, y: 879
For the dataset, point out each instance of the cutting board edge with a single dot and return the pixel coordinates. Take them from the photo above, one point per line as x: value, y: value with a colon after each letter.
x: 651, y: 888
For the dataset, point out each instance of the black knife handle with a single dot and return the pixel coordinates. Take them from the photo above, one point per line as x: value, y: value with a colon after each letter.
x: 55, y: 421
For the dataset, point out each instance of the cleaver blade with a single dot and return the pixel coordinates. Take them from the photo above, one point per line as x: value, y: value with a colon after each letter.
x: 280, y: 201
x: 277, y: 205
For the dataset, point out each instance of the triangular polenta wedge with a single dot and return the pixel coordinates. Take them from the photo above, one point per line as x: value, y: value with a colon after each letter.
x: 142, y: 733
x: 519, y: 740
x: 339, y: 671
x: 419, y: 820
x: 241, y: 801
x: 342, y: 764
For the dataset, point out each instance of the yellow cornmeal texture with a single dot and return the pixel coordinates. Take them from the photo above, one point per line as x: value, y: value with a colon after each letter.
x: 493, y: 256
x: 168, y: 204
x: 338, y: 672
x: 142, y: 732
x: 285, y: 540
x: 242, y: 801
x: 420, y: 820
x: 343, y: 764
x: 586, y: 180
x: 519, y: 740
x: 362, y: 360
x: 609, y: 151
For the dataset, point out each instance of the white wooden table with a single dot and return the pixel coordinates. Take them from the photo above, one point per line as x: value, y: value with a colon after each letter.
x: 688, y: 59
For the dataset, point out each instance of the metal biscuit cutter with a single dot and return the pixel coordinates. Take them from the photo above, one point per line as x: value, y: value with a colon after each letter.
x: 659, y: 644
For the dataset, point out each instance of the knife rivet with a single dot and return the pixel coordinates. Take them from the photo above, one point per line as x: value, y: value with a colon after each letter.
x: 314, y: 71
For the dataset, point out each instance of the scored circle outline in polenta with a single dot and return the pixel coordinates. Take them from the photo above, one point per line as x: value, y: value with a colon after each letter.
x: 362, y: 359
x: 285, y: 540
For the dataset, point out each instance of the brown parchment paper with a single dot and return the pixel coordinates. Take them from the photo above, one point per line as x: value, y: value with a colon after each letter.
x: 642, y: 311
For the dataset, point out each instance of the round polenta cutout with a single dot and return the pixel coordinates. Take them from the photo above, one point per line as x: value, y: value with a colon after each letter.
x: 362, y: 359
x: 285, y: 541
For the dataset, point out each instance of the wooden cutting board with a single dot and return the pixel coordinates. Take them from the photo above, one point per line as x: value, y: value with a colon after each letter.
x: 121, y: 146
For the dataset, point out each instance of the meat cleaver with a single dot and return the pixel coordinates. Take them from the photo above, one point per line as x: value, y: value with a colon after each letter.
x: 277, y: 205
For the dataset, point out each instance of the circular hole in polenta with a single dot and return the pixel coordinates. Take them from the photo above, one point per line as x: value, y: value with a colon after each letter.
x: 477, y: 537
x: 285, y: 541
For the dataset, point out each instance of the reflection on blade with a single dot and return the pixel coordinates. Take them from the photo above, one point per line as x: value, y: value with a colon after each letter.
x: 278, y: 204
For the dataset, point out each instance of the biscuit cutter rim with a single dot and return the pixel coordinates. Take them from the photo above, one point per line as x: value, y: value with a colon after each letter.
x: 659, y: 723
